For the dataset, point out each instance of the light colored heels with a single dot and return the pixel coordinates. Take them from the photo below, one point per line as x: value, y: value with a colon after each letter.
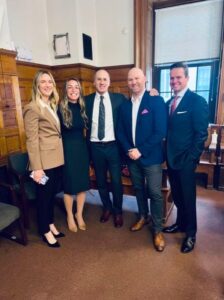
x: 71, y: 224
x: 80, y: 222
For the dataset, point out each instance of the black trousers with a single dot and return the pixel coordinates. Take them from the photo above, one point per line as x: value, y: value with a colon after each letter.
x: 46, y: 199
x: 106, y: 157
x: 183, y: 189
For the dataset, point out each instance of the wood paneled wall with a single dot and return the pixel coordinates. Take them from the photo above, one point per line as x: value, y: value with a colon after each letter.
x: 82, y: 72
x: 12, y: 136
x: 26, y: 72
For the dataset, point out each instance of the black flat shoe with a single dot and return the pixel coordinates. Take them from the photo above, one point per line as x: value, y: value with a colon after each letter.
x: 188, y: 244
x: 55, y: 245
x: 59, y: 235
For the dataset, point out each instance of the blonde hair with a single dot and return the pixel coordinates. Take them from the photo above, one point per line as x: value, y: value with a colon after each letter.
x: 64, y: 108
x: 36, y: 94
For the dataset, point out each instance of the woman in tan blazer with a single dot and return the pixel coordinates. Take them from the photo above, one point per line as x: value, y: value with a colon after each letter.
x: 45, y: 150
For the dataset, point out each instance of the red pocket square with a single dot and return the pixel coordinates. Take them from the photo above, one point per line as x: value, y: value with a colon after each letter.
x: 145, y: 111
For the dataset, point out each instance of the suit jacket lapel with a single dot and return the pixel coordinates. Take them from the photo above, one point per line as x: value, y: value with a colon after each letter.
x: 89, y: 110
x: 183, y: 102
x: 129, y: 112
x: 140, y: 110
x: 91, y: 104
x: 112, y: 101
x: 52, y: 119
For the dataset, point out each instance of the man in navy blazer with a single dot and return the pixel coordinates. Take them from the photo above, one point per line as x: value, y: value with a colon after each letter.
x: 104, y: 150
x: 141, y: 129
x: 187, y: 132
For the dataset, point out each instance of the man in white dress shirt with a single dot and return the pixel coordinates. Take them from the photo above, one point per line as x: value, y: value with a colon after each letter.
x: 102, y: 111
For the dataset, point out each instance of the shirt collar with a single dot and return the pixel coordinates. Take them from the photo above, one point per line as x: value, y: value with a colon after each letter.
x: 139, y: 98
x: 105, y: 95
x: 182, y: 92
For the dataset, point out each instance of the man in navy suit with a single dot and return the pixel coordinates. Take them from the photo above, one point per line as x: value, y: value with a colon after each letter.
x: 187, y: 132
x: 103, y: 146
x: 141, y: 129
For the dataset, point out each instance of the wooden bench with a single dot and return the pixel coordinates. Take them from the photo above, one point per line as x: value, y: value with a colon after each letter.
x: 128, y: 190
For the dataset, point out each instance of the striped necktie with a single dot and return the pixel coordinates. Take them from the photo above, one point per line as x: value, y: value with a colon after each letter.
x: 101, y: 120
x: 173, y: 105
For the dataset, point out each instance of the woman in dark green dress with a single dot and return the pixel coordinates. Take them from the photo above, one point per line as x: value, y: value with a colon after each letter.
x: 76, y: 169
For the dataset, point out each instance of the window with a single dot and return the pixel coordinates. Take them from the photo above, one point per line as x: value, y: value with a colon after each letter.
x: 183, y: 32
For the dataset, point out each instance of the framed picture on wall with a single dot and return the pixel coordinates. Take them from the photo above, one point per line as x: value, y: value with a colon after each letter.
x: 61, y: 45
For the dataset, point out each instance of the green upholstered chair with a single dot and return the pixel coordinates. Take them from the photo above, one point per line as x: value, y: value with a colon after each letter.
x: 10, y: 216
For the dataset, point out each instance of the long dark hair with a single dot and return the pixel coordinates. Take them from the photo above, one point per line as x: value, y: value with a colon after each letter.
x: 64, y: 108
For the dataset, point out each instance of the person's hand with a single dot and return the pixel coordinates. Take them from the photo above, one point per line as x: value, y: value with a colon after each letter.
x: 153, y: 92
x: 37, y: 175
x: 134, y: 153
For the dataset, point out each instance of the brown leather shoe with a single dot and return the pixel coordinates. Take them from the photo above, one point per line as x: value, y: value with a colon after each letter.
x: 159, y: 241
x: 139, y: 224
x: 118, y: 221
x: 105, y: 216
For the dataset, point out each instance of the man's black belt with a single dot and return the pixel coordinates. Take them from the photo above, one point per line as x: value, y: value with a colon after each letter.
x: 104, y: 143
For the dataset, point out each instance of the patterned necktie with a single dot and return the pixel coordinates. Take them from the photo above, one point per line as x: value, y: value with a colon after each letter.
x: 101, y: 120
x: 173, y: 105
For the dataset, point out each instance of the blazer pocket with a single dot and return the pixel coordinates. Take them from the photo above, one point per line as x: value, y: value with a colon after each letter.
x: 47, y: 147
x: 182, y: 112
x: 145, y: 117
x: 185, y: 115
x: 144, y: 114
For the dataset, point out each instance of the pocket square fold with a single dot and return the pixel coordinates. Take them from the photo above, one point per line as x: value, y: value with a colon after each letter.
x: 182, y: 112
x: 145, y: 111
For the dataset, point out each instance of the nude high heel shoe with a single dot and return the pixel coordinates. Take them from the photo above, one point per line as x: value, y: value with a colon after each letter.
x: 81, y: 223
x: 71, y: 224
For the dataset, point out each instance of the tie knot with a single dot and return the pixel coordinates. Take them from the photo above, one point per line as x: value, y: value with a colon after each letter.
x: 101, y: 98
x: 175, y: 98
